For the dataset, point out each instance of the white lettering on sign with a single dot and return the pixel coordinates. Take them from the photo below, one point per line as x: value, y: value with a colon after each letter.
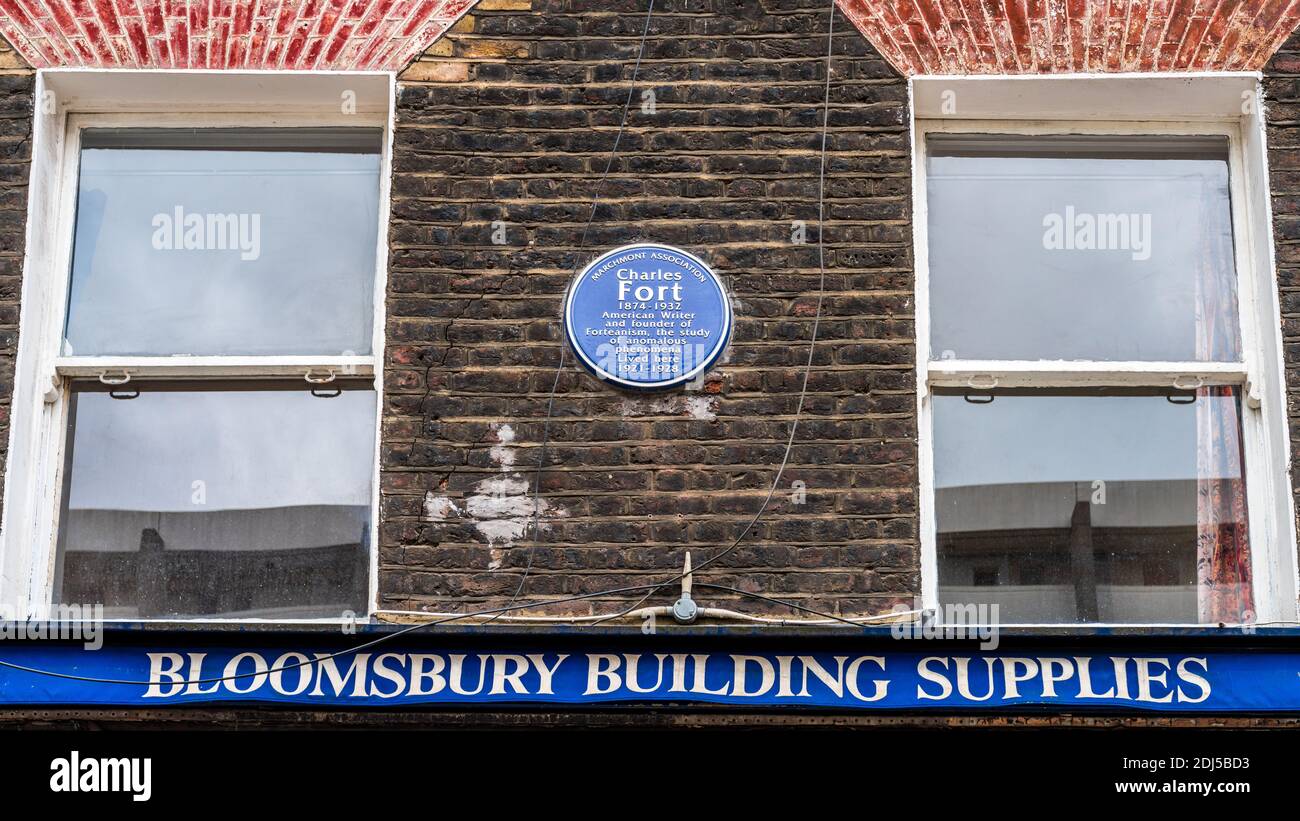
x: 647, y: 316
x: 863, y: 679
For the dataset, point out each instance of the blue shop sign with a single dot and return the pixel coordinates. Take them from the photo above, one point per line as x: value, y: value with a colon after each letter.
x: 381, y: 675
x: 647, y: 317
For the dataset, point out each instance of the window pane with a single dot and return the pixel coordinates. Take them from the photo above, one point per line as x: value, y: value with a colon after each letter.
x: 1100, y: 506
x: 218, y: 503
x: 1081, y: 248
x: 224, y: 242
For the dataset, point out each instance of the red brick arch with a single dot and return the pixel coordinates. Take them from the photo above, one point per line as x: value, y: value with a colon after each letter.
x: 250, y: 34
x: 1059, y: 36
x: 917, y: 36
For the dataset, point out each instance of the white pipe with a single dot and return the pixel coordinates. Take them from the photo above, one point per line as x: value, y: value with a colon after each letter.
x: 643, y: 612
x: 720, y: 613
x: 638, y: 613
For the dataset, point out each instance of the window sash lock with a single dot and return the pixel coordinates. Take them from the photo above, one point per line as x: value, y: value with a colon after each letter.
x: 982, y: 382
x: 1185, y: 382
x: 114, y: 376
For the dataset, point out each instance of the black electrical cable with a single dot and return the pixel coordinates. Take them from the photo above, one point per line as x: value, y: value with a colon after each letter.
x: 812, y: 344
x: 421, y: 625
x: 789, y: 604
x: 652, y: 587
x: 559, y: 369
x: 346, y: 651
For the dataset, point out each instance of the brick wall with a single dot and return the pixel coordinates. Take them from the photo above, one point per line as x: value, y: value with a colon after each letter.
x: 1282, y: 112
x: 16, y: 85
x: 510, y: 117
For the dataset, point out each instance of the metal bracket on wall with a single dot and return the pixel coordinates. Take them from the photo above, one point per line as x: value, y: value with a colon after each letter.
x: 53, y: 390
x: 685, y: 610
x: 1252, y: 394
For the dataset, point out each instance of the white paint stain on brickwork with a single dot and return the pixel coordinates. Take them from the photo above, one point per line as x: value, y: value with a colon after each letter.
x: 703, y: 408
x: 501, y: 508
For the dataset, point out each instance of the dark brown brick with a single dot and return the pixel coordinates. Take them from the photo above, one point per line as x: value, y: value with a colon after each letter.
x: 727, y: 162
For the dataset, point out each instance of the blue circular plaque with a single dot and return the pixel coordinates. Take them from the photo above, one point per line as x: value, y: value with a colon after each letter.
x: 647, y: 317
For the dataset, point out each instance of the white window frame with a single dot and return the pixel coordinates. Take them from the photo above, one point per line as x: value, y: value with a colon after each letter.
x: 1209, y: 104
x: 69, y: 101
